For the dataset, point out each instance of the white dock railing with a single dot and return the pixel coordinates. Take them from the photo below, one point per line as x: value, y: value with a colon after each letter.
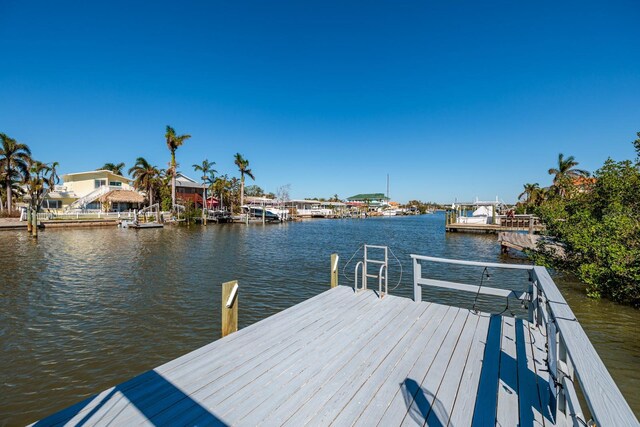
x: 572, y: 360
x: 47, y: 216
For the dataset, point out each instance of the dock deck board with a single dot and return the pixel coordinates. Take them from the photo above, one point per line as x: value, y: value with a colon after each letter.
x: 342, y: 358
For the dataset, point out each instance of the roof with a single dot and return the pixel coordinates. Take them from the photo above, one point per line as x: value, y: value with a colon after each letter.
x: 92, y: 172
x: 122, y: 196
x: 583, y: 180
x: 185, y: 181
x: 367, y: 197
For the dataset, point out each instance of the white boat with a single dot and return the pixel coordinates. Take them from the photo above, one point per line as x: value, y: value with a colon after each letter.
x: 269, y: 213
x: 482, y: 215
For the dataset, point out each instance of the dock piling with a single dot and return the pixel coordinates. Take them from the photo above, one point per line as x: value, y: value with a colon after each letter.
x: 34, y: 225
x: 29, y: 220
x: 229, y: 307
x: 334, y: 270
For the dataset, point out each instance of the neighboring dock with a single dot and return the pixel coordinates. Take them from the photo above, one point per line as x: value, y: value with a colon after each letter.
x: 529, y: 242
x: 347, y: 357
x: 494, y: 225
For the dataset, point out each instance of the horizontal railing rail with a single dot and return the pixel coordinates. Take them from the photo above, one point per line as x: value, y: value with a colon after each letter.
x: 572, y: 361
x: 484, y: 289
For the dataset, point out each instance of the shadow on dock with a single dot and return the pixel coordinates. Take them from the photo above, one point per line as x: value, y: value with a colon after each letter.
x: 421, y: 403
x: 140, y: 401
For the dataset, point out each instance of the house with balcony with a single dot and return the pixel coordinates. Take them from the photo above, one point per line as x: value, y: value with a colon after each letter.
x: 99, y: 190
x: 189, y: 190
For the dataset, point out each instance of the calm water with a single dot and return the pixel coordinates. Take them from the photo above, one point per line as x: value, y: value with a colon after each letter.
x: 84, y: 309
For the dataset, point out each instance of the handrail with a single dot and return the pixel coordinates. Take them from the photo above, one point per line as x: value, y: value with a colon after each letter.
x: 576, y: 358
x: 364, y: 283
x: 386, y: 284
x: 472, y: 263
x: 572, y: 360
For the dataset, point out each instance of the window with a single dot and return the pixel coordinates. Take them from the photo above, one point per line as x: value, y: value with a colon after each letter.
x: 51, y: 204
x: 93, y: 205
x: 99, y: 183
x: 115, y: 184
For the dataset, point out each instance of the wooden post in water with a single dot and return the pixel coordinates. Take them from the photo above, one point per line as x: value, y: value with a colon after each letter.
x: 34, y: 226
x: 334, y: 270
x: 229, y: 307
x: 29, y: 220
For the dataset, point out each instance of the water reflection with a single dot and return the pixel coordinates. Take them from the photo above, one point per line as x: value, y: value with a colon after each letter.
x: 84, y: 309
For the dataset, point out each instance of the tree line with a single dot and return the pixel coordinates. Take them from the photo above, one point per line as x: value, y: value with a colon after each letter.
x: 24, y: 178
x: 597, y: 218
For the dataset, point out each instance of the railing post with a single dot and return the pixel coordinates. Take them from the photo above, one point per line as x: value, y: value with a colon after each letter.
x: 334, y: 270
x: 229, y: 307
x: 417, y: 274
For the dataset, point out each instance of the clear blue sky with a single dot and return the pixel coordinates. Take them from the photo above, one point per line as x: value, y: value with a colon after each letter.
x: 453, y: 99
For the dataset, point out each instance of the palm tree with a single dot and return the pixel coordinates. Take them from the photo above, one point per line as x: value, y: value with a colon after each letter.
x: 145, y: 177
x: 530, y: 191
x: 113, y: 167
x: 53, y: 177
x: 173, y: 142
x: 243, y: 167
x: 36, y: 181
x: 14, y: 161
x: 208, y: 175
x: 565, y: 171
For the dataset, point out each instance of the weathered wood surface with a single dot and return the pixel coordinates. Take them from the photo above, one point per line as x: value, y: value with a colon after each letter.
x: 530, y: 242
x: 229, y: 308
x: 340, y: 358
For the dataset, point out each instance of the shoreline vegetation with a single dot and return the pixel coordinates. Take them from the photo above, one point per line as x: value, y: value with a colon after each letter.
x: 596, y: 217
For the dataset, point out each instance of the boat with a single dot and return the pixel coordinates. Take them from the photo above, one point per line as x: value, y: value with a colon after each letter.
x: 268, y: 213
x: 482, y: 215
x: 135, y: 224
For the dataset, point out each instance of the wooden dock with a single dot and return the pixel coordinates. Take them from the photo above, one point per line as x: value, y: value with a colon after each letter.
x: 497, y: 224
x: 528, y: 242
x: 351, y: 358
x: 342, y: 358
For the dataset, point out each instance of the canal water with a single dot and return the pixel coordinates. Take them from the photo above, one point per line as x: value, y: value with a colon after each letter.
x: 84, y: 309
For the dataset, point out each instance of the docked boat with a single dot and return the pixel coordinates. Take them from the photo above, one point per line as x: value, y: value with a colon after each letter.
x: 268, y: 213
x: 135, y: 224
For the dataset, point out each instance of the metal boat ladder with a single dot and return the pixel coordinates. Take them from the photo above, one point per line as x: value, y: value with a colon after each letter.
x: 381, y: 252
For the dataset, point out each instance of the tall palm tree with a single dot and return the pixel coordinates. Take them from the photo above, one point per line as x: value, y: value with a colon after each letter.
x: 208, y: 175
x: 145, y: 177
x: 14, y: 161
x: 173, y: 142
x: 243, y: 167
x: 116, y: 168
x: 564, y: 171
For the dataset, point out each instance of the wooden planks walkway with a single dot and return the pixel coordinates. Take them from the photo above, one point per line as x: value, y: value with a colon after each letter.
x: 341, y: 359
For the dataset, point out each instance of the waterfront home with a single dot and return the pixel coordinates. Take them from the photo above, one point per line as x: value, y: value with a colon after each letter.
x: 189, y: 190
x: 99, y: 190
x: 372, y: 200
